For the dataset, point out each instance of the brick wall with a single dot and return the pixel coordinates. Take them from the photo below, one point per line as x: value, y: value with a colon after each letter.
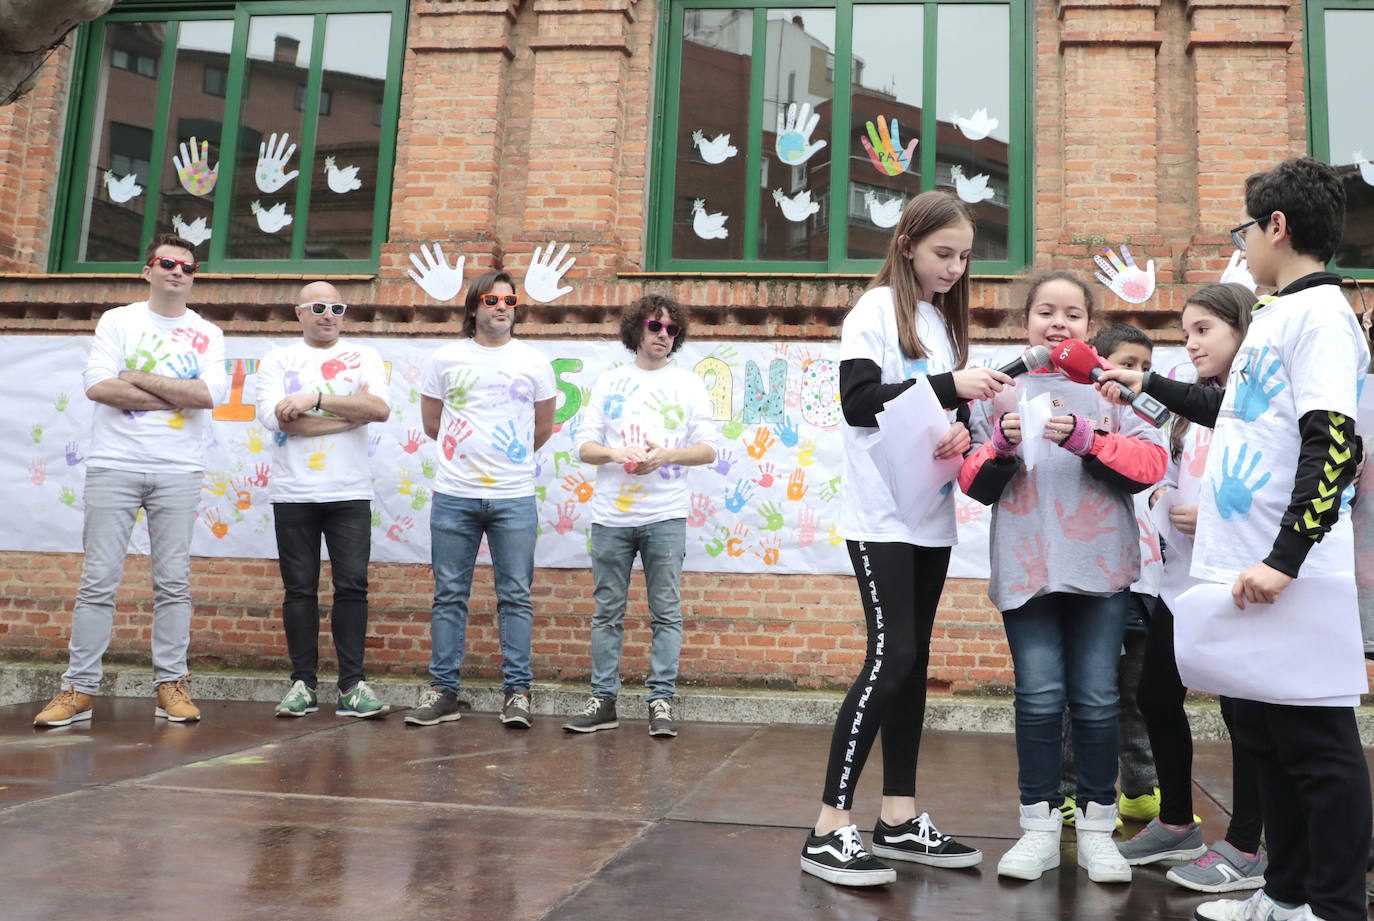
x: 522, y: 122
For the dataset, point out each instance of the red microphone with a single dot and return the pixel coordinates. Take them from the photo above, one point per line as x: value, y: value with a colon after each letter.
x: 1081, y: 364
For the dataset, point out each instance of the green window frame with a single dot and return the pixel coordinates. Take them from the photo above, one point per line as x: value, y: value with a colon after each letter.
x: 1355, y: 256
x: 844, y: 146
x: 79, y: 170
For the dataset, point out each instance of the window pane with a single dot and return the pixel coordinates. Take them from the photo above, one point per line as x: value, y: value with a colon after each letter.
x: 343, y: 178
x: 794, y: 179
x: 1349, y: 75
x: 886, y: 73
x: 972, y: 96
x: 116, y: 180
x: 264, y: 205
x: 713, y: 133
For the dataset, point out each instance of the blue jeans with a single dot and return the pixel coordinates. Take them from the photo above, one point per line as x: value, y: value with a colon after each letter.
x: 661, y: 547
x: 1065, y: 648
x: 456, y: 527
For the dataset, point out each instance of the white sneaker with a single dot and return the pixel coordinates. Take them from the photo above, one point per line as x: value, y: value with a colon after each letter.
x: 1038, y: 849
x: 1097, y: 851
x: 1259, y: 907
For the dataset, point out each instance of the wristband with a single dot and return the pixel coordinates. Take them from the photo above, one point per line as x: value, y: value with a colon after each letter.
x: 1080, y: 440
x: 1000, y: 446
x: 318, y: 397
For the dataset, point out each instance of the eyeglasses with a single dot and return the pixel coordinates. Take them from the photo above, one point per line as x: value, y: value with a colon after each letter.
x: 1238, y: 233
x: 491, y: 300
x: 654, y: 326
x: 167, y: 263
x: 318, y: 308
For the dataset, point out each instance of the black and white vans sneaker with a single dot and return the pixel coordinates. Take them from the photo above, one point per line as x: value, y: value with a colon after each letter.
x: 840, y: 858
x: 919, y: 841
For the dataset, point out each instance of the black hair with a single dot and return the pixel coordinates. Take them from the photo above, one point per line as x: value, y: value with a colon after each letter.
x: 1312, y: 199
x: 633, y: 317
x: 168, y: 239
x: 1113, y: 337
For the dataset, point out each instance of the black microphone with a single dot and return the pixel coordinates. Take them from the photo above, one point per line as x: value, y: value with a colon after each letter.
x: 1032, y: 359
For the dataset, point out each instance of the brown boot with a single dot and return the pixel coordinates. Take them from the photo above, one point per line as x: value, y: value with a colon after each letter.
x: 69, y: 706
x: 174, y: 702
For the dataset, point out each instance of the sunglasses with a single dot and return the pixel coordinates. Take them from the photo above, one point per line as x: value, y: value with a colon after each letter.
x: 491, y: 300
x: 167, y: 263
x: 319, y: 307
x: 655, y: 326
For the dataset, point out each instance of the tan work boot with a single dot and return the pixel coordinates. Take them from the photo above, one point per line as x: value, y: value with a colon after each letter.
x: 174, y: 702
x: 68, y: 707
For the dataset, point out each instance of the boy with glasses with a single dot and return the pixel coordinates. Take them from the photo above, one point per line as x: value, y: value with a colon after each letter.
x: 318, y: 395
x: 644, y: 423
x: 155, y: 371
x: 488, y: 400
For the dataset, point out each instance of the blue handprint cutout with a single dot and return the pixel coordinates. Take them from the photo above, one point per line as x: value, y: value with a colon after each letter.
x: 1252, y: 394
x: 509, y: 442
x: 1234, y: 498
x: 787, y: 433
x: 735, y: 500
x: 614, y: 403
x: 186, y: 366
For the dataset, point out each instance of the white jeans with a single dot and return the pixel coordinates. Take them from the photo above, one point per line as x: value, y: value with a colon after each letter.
x: 112, y: 500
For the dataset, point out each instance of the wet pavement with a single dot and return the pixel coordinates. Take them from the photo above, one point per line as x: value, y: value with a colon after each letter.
x: 244, y: 816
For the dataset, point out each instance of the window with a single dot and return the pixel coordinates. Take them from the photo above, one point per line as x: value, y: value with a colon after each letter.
x: 935, y: 96
x: 1339, y: 73
x: 227, y: 76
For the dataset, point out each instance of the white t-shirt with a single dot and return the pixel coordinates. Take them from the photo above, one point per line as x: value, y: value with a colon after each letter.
x: 319, y: 468
x: 867, y: 510
x: 629, y: 406
x: 132, y: 337
x: 1303, y: 352
x: 486, y: 432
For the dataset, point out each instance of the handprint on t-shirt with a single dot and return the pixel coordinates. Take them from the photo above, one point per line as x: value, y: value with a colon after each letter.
x: 1036, y: 562
x: 143, y: 358
x: 186, y: 366
x: 456, y: 431
x: 511, y: 390
x: 613, y: 404
x: 1087, y: 522
x: 197, y: 340
x: 633, y: 437
x: 339, y: 364
x: 1124, y: 574
x: 1149, y: 540
x: 671, y: 412
x: 630, y: 493
x: 318, y: 452
x: 671, y: 472
x: 1233, y: 496
x: 506, y: 439
x: 482, y: 474
x: 1197, y: 465
x: 459, y: 387
x: 734, y: 501
x: 1252, y: 394
x: 1023, y: 496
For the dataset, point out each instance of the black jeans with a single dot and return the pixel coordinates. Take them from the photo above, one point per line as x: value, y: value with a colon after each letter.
x: 347, y: 530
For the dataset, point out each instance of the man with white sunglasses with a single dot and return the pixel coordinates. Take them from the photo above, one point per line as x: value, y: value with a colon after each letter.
x: 318, y: 396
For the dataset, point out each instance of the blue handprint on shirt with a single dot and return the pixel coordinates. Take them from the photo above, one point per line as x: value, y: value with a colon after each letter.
x: 186, y: 366
x: 1233, y: 497
x: 735, y: 501
x: 1252, y: 397
x: 509, y: 442
x: 614, y: 403
x: 914, y: 366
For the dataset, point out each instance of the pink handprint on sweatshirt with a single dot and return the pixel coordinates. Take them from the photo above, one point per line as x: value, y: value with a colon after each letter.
x: 1088, y: 521
x: 1036, y: 562
x: 1023, y: 498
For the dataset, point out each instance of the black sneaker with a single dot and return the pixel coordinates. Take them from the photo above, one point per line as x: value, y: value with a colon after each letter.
x: 515, y: 711
x: 919, y: 841
x: 661, y: 718
x: 599, y: 713
x: 436, y: 706
x: 840, y: 858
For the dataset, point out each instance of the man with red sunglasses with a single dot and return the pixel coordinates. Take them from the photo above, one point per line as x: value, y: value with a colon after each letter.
x: 155, y: 372
x: 643, y: 424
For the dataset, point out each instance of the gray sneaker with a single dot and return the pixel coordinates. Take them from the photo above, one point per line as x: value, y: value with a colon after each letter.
x: 661, y: 723
x: 1158, y: 842
x: 1221, y: 869
x: 515, y: 710
x: 438, y: 705
x: 598, y: 713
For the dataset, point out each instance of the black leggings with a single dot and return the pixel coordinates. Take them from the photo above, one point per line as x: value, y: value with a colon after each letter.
x: 900, y: 586
x: 1160, y: 697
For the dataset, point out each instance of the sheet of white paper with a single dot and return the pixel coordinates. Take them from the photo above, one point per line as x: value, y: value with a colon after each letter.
x: 1305, y: 649
x: 1178, y: 552
x: 1364, y: 422
x: 1035, y: 413
x: 903, y: 449
x: 1160, y: 515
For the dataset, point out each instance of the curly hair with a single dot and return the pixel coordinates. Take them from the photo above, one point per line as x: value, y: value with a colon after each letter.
x: 481, y: 285
x: 169, y: 239
x: 633, y: 317
x: 1311, y: 197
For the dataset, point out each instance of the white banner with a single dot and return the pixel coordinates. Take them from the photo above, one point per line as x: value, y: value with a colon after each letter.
x: 767, y: 505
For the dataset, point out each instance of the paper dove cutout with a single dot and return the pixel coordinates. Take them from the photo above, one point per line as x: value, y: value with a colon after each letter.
x: 716, y: 150
x: 435, y: 276
x: 708, y: 226
x: 970, y: 190
x: 270, y: 220
x: 797, y: 208
x: 545, y: 272
x: 977, y: 127
x: 1366, y: 168
x: 121, y: 190
x: 194, y: 233
x: 884, y: 214
x: 342, y: 180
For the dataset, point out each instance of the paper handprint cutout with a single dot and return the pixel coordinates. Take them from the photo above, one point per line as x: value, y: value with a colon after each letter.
x: 716, y: 150
x: 885, y: 148
x: 884, y: 213
x: 977, y: 127
x: 798, y: 207
x: 1366, y: 168
x: 435, y: 276
x: 193, y: 168
x: 708, y: 226
x: 545, y: 273
x: 1237, y: 272
x: 121, y: 190
x: 270, y: 220
x: 793, y: 142
x: 1124, y: 277
x: 970, y: 190
x: 194, y: 233
x: 342, y: 180
x: 272, y: 158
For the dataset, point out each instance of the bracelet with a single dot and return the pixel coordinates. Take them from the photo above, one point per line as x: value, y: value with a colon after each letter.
x: 318, y: 397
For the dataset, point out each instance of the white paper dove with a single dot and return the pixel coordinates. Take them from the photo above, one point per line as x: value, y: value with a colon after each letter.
x: 977, y: 127
x: 194, y: 233
x: 435, y: 276
x: 121, y: 190
x: 270, y: 220
x: 797, y: 208
x: 970, y: 190
x: 708, y: 226
x: 884, y: 213
x: 1366, y: 168
x: 716, y: 150
x: 545, y: 272
x: 272, y: 158
x: 342, y: 180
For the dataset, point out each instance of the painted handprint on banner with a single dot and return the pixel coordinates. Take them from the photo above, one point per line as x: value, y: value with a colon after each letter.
x: 885, y: 149
x: 254, y: 438
x: 716, y: 544
x: 793, y: 136
x: 567, y: 518
x: 435, y: 276
x: 807, y: 455
x: 1234, y: 497
x: 545, y: 272
x: 833, y: 535
x: 38, y: 471
x: 734, y: 546
x: 577, y: 484
x: 1088, y: 521
x: 734, y: 501
x: 768, y: 550
x: 766, y: 475
x: 1036, y: 563
x: 796, y: 485
x: 771, y: 513
x: 193, y: 168
x: 418, y: 500
x: 414, y: 438
x: 398, y: 529
x: 788, y: 432
x: 260, y: 475
x: 273, y: 156
x: 763, y: 440
x: 806, y: 527
x: 403, y: 482
x: 1124, y: 277
x: 1253, y: 393
x: 216, y: 524
x: 72, y: 451
x: 724, y: 459
x: 702, y: 508
x: 831, y: 489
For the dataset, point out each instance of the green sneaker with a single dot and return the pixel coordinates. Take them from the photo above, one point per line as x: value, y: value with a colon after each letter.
x: 1067, y: 810
x: 298, y: 701
x: 361, y: 702
x: 1141, y: 808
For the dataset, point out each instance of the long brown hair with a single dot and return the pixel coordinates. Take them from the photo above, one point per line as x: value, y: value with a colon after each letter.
x: 1230, y: 303
x: 923, y: 215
